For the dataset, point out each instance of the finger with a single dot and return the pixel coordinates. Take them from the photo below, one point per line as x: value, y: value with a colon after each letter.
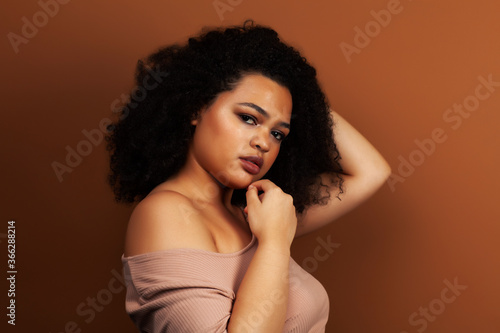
x: 264, y: 185
x: 252, y: 197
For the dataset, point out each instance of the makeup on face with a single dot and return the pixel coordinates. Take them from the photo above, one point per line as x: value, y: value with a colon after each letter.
x: 282, y: 126
x: 239, y: 135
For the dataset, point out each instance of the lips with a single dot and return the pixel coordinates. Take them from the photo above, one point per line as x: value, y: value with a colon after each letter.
x: 255, y: 160
x: 252, y: 164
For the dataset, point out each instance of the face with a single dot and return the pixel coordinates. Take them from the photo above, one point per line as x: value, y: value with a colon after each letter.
x: 238, y: 137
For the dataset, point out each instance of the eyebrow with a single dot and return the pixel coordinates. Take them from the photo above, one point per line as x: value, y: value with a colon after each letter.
x: 264, y: 113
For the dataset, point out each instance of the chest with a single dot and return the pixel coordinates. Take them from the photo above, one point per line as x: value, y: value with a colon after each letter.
x: 230, y: 231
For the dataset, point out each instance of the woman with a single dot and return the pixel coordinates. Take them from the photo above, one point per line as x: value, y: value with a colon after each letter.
x: 232, y: 156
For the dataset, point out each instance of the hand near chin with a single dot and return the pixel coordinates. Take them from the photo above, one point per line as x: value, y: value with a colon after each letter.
x: 271, y: 215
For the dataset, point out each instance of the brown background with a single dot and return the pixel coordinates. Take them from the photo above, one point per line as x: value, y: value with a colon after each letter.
x: 395, y: 250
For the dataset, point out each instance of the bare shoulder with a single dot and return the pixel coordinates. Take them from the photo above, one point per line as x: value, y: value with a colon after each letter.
x: 166, y: 220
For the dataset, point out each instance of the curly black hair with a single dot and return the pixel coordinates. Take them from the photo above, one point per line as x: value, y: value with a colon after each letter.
x: 149, y: 143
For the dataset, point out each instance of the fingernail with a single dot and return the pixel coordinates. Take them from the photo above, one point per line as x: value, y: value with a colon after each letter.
x: 250, y: 187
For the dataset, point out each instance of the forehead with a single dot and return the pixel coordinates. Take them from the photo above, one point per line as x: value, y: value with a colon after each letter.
x: 264, y: 92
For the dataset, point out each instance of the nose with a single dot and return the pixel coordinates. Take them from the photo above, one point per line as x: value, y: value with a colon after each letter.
x: 260, y: 140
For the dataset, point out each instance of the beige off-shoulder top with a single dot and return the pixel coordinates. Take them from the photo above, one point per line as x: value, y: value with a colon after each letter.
x: 192, y: 290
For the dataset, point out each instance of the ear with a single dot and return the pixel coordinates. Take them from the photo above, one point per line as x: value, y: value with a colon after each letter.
x: 196, y: 118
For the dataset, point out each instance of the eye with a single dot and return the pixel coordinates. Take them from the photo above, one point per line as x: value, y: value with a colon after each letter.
x: 248, y: 119
x: 278, y: 135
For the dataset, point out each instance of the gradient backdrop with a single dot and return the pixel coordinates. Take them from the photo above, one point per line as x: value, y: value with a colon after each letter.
x: 420, y: 79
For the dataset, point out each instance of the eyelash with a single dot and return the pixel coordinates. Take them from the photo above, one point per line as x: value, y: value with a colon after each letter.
x: 276, y: 134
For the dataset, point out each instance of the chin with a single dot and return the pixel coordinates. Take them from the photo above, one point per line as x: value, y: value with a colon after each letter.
x: 239, y: 185
x: 238, y: 182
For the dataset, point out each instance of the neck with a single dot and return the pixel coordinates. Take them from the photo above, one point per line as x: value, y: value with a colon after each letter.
x: 201, y: 186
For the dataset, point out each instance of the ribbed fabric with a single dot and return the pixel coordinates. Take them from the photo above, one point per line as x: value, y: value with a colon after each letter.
x: 192, y: 290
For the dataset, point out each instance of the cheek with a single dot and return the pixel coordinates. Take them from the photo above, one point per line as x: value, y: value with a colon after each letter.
x: 224, y: 129
x: 211, y: 131
x: 217, y: 141
x: 271, y: 158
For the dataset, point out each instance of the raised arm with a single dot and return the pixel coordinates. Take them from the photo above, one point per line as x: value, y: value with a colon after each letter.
x: 365, y: 170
